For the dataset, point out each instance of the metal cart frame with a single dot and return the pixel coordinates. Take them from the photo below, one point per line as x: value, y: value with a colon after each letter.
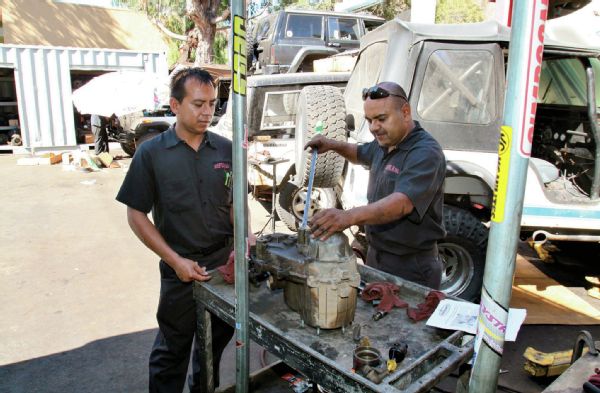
x: 326, y: 358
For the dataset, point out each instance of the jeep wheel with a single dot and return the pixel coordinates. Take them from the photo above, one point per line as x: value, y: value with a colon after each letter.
x: 463, y: 254
x: 325, y: 104
x: 128, y: 148
x: 146, y: 137
x: 291, y: 201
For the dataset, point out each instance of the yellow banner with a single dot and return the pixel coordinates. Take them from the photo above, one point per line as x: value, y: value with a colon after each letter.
x: 501, y: 186
x: 239, y: 55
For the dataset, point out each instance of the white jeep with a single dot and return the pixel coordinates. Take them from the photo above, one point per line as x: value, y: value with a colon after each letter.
x: 455, y: 78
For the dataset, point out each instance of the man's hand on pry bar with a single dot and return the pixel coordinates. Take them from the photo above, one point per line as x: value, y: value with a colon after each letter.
x: 320, y: 143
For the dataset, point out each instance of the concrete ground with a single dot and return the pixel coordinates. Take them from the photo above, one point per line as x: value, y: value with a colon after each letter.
x: 78, y: 291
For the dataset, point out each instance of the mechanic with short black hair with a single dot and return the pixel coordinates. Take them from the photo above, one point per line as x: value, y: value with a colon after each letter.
x: 403, y: 218
x: 184, y: 177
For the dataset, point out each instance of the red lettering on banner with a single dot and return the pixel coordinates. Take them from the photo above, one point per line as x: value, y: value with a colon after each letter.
x: 496, y: 322
x: 539, y: 51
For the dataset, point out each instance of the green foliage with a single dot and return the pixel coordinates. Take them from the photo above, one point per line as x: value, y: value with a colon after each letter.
x: 389, y: 9
x: 325, y: 5
x: 172, y: 14
x: 220, y: 49
x: 131, y: 4
x: 172, y: 51
x: 458, y: 11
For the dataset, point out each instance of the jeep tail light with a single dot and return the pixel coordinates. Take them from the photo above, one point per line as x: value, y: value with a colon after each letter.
x: 273, y: 59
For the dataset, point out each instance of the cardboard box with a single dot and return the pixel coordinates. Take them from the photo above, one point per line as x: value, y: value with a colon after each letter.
x: 106, y: 159
x: 13, y: 122
x: 50, y: 159
x: 89, y: 138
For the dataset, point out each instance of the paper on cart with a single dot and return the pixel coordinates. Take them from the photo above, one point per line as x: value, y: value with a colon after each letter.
x: 457, y: 315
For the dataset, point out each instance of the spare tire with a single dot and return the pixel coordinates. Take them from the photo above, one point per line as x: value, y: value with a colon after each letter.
x: 324, y: 104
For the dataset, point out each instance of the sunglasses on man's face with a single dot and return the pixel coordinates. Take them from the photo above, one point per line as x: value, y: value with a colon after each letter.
x: 377, y: 92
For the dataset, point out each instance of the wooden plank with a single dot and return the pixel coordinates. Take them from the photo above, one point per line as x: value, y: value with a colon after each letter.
x: 548, y: 302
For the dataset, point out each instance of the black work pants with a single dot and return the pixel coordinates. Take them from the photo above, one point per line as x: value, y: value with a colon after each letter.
x: 423, y: 268
x: 170, y: 355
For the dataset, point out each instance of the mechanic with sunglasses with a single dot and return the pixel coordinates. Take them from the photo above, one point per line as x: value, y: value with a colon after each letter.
x: 403, y: 218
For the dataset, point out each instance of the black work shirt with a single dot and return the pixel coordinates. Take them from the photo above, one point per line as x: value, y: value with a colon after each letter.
x: 188, y: 191
x: 416, y: 168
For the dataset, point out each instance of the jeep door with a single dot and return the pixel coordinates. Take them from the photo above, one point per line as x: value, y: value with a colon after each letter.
x: 297, y: 30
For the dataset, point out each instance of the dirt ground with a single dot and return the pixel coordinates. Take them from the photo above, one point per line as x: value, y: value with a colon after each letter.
x: 78, y: 291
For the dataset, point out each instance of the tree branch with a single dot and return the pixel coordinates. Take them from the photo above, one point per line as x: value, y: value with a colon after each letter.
x: 169, y: 32
x: 221, y: 18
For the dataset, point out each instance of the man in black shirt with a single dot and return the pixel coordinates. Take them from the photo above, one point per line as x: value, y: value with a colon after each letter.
x: 403, y: 220
x: 184, y: 177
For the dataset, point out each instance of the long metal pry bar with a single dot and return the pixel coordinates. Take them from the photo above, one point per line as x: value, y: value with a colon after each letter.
x: 311, y: 176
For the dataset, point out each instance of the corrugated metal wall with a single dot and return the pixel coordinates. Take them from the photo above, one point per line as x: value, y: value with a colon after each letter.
x: 43, y: 85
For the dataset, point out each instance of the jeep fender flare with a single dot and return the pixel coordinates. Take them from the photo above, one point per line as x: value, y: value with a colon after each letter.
x: 467, y: 178
x: 310, y: 53
x: 155, y: 126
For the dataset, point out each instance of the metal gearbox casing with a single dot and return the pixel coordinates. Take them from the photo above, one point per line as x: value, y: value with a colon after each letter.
x: 320, y: 278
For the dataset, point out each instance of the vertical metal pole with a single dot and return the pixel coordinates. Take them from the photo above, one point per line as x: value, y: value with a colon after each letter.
x: 240, y: 188
x: 523, y: 76
x: 273, y: 197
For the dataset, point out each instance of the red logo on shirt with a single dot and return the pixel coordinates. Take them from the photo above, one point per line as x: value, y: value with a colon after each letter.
x: 391, y: 168
x: 222, y: 165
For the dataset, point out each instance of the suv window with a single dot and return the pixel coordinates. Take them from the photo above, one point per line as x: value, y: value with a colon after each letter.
x: 305, y: 26
x: 372, y: 24
x: 345, y: 29
x: 459, y: 87
x: 563, y: 82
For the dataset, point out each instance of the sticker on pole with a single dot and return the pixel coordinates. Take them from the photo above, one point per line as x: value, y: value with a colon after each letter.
x: 239, y: 55
x: 535, y: 51
x: 500, y: 189
x: 492, y: 322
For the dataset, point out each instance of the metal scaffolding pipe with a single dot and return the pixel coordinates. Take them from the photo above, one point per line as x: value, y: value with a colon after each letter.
x: 593, y: 117
x: 240, y: 188
x: 514, y: 150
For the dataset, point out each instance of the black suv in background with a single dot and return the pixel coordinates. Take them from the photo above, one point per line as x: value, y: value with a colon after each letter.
x: 296, y: 37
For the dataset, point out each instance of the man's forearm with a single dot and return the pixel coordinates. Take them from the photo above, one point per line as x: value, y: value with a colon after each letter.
x: 146, y: 231
x: 391, y: 208
x: 344, y: 149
